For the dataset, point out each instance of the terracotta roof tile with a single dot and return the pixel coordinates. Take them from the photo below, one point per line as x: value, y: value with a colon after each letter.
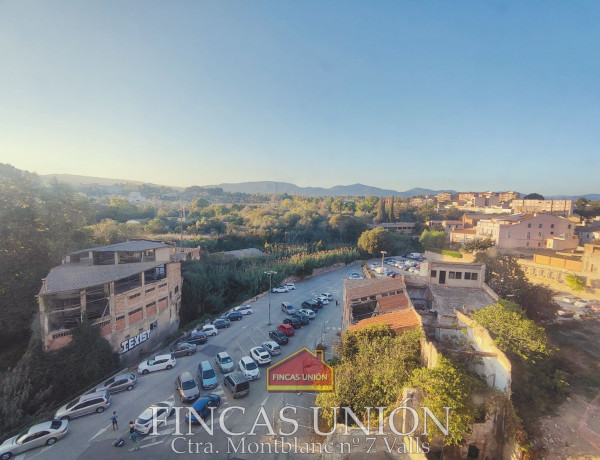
x: 393, y: 303
x: 356, y: 289
x: 399, y: 320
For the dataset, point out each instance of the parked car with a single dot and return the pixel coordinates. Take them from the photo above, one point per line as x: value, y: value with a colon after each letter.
x: 42, y: 434
x: 86, y: 404
x: 290, y: 286
x: 224, y: 362
x: 294, y: 322
x: 249, y: 368
x: 323, y: 298
x: 319, y: 302
x: 221, y: 323
x: 304, y: 320
x: 237, y: 383
x: 183, y: 349
x: 186, y: 387
x: 279, y: 289
x: 158, y: 363
x: 581, y: 303
x: 272, y: 347
x: 565, y: 313
x: 233, y: 316
x: 207, y: 376
x: 202, y: 407
x: 329, y: 295
x: 260, y: 355
x: 355, y: 276
x: 160, y: 411
x: 196, y: 337
x: 286, y: 329
x: 115, y: 384
x: 244, y: 309
x: 210, y: 329
x: 308, y: 312
x: 566, y: 298
x: 310, y: 305
x: 287, y: 308
x: 279, y: 337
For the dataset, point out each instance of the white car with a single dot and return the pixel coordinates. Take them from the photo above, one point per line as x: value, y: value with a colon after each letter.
x: 290, y: 286
x: 272, y: 347
x: 160, y: 411
x: 158, y: 363
x: 42, y: 434
x: 260, y: 355
x: 209, y: 329
x: 355, y: 276
x: 329, y: 295
x: 323, y: 298
x: 279, y: 289
x: 249, y: 368
x: 566, y: 298
x: 311, y: 314
x: 581, y: 303
x: 244, y: 309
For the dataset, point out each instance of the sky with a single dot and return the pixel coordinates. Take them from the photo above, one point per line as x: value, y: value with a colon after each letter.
x: 463, y: 95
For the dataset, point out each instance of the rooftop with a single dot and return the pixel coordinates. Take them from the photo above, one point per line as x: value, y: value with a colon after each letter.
x: 356, y: 289
x: 398, y: 320
x: 446, y: 299
x: 69, y: 277
x: 393, y: 303
x: 128, y: 246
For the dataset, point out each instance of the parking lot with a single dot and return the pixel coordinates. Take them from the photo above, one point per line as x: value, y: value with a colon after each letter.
x: 91, y: 437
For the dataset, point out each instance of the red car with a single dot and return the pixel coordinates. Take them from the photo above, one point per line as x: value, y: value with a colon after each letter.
x: 286, y: 329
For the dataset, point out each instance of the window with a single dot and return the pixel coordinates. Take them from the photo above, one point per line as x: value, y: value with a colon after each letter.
x: 474, y: 276
x: 133, y: 312
x: 452, y: 275
x: 551, y: 225
x: 433, y: 273
x: 176, y: 289
x: 119, y: 318
x: 467, y: 275
x: 458, y: 275
x: 528, y: 236
x: 540, y: 226
x: 569, y: 226
x: 134, y: 296
x: 528, y: 225
x: 539, y: 233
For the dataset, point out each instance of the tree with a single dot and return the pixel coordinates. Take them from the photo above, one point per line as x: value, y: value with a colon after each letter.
x: 447, y: 386
x: 391, y: 210
x: 380, y: 217
x: 533, y: 196
x: 476, y: 245
x: 575, y: 282
x: 434, y: 239
x: 374, y: 241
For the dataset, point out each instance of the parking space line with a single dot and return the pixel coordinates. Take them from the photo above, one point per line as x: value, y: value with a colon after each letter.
x: 264, y: 401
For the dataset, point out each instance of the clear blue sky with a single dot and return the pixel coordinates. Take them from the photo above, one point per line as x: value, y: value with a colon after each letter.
x: 463, y: 95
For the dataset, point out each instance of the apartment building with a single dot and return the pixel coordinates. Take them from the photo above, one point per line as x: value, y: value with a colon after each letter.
x: 557, y: 207
x: 506, y: 197
x: 588, y: 233
x: 444, y: 196
x: 524, y: 230
x: 131, y: 291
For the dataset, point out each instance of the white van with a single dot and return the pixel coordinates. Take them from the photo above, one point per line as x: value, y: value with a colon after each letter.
x: 415, y: 256
x: 288, y: 308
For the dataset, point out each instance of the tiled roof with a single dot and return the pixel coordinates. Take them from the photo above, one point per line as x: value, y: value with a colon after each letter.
x: 398, y: 320
x: 356, y: 289
x: 70, y: 277
x: 393, y: 303
x: 132, y: 246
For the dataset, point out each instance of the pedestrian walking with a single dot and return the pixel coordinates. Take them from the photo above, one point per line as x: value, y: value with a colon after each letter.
x: 113, y: 419
x: 131, y: 427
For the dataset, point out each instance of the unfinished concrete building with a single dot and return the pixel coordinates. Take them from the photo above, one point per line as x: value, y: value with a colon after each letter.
x: 131, y: 291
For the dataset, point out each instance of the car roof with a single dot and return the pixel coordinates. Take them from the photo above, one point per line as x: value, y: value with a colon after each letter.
x: 40, y: 427
x: 272, y: 343
x: 259, y: 349
x: 186, y: 376
x: 162, y: 357
x: 246, y: 359
x: 222, y: 354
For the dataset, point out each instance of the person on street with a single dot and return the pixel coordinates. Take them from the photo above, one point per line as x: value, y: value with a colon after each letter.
x: 113, y: 419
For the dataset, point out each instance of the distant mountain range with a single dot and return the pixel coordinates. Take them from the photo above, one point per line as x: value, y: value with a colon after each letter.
x: 268, y: 187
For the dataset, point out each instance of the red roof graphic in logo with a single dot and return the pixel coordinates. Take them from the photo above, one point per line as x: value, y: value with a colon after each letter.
x: 301, y: 371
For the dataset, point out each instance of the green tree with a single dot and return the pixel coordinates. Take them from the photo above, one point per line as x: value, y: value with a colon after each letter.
x: 477, y: 245
x: 155, y: 226
x: 380, y: 216
x: 391, y: 210
x: 533, y: 196
x: 374, y: 241
x: 447, y: 386
x: 575, y: 282
x: 436, y: 239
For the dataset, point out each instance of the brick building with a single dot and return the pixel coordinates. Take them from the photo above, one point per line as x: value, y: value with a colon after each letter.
x: 131, y: 291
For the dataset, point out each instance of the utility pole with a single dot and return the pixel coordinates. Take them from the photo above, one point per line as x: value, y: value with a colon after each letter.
x: 383, y: 253
x: 270, y: 273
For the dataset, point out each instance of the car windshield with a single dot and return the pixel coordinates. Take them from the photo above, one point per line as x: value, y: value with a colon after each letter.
x: 150, y: 362
x: 188, y: 385
x: 208, y: 374
x: 144, y: 420
x: 22, y: 436
x: 226, y: 360
x: 251, y: 365
x: 72, y: 403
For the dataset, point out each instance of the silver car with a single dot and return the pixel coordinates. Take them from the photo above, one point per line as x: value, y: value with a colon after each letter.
x: 85, y: 404
x: 42, y: 434
x: 224, y: 362
x: 117, y: 383
x: 187, y: 388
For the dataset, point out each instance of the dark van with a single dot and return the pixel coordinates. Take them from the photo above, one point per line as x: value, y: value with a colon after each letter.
x: 238, y: 384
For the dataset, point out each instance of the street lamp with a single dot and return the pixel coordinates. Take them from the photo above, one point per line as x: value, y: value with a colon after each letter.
x: 383, y: 253
x: 270, y: 273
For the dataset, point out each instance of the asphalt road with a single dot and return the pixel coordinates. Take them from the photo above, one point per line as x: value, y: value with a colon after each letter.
x: 91, y: 437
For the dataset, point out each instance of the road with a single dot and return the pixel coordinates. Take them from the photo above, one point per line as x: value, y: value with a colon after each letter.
x: 91, y: 437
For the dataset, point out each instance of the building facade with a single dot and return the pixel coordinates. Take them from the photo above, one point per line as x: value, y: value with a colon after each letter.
x: 558, y: 207
x: 131, y: 291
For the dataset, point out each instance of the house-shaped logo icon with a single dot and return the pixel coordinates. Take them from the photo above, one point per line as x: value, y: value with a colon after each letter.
x: 301, y: 371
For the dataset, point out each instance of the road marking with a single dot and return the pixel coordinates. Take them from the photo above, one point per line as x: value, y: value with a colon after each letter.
x: 102, y: 430
x: 264, y: 402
